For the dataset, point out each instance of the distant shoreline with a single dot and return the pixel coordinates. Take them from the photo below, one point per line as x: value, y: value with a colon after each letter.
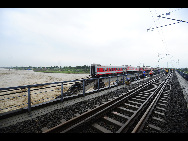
x: 13, y: 77
x: 57, y: 69
x: 66, y: 72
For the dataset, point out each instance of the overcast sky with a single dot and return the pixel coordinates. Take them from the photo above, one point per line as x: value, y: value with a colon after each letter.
x: 82, y: 36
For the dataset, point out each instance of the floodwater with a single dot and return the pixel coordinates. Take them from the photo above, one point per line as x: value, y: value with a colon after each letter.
x: 13, y: 78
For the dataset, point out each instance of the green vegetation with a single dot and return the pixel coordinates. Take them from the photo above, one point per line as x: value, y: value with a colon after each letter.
x: 185, y: 70
x: 57, y: 69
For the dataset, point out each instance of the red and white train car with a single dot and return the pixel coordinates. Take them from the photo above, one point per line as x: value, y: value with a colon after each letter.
x: 97, y: 70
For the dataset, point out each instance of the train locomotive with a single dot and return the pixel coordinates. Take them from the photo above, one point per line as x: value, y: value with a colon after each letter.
x: 98, y: 70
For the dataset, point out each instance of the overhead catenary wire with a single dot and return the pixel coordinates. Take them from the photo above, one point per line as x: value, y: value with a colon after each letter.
x: 167, y: 21
x: 160, y: 31
x: 165, y: 16
x: 157, y: 21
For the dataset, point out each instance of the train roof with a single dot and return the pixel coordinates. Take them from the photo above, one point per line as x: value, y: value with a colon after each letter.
x: 124, y: 66
x: 98, y: 65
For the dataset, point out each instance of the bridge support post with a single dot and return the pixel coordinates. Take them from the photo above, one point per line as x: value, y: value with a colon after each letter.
x: 29, y: 100
x: 84, y: 87
x: 123, y: 80
x: 109, y: 81
x: 98, y: 84
x: 61, y: 92
x: 135, y: 76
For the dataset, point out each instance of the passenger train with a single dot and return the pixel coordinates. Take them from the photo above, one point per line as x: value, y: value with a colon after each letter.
x: 99, y: 71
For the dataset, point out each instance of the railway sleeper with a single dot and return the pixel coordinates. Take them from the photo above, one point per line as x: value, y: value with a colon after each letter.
x: 161, y: 109
x: 112, y: 120
x: 127, y: 109
x: 139, y: 100
x: 158, y: 119
x: 158, y: 122
x: 162, y: 105
x: 159, y: 114
x: 100, y: 128
x: 124, y: 111
x: 108, y: 125
x: 132, y: 107
x: 141, y: 97
x: 134, y: 103
x: 121, y: 115
x: 115, y: 116
x: 145, y: 95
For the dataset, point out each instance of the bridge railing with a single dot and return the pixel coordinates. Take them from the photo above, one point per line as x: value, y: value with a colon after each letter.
x: 24, y: 97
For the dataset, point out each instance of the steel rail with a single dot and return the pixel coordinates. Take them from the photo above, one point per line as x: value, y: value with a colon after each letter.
x: 68, y: 125
x: 127, y: 125
x: 149, y: 110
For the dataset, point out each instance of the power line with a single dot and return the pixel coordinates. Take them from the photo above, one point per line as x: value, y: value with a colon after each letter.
x: 160, y: 31
x: 165, y: 16
x: 157, y: 18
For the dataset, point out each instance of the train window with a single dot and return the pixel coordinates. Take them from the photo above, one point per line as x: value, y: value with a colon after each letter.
x: 97, y: 69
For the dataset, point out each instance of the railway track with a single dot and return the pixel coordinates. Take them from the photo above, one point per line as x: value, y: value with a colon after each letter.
x: 128, y: 112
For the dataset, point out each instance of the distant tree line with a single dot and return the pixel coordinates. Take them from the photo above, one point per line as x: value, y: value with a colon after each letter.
x: 57, y: 69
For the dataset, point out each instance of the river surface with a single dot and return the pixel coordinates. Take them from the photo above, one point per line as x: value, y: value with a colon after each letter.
x: 13, y: 78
